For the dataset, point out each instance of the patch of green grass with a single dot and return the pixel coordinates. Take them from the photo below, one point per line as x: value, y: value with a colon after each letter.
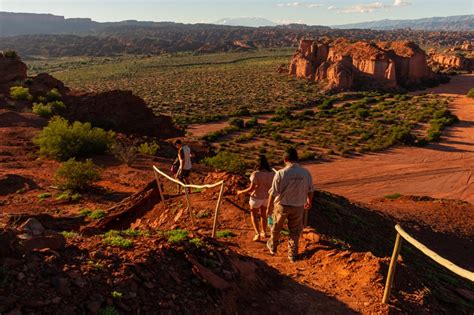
x: 97, y: 214
x: 70, y: 234
x: 69, y: 196
x: 85, y: 212
x: 176, y: 236
x: 113, y: 238
x: 393, y: 196
x: 134, y: 232
x: 225, y: 234
x: 196, y: 242
x: 44, y: 196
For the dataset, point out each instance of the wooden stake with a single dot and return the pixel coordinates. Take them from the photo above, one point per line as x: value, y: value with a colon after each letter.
x: 391, y: 269
x: 189, y: 205
x: 159, y: 188
x: 216, y: 214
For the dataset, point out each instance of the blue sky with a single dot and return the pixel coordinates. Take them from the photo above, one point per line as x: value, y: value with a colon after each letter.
x: 321, y: 12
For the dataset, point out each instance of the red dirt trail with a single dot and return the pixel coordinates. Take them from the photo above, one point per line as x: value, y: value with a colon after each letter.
x: 441, y: 170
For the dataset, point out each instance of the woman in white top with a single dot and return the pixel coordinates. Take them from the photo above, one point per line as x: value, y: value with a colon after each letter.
x: 260, y: 183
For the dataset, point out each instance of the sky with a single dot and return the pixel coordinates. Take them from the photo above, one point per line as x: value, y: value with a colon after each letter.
x: 318, y: 12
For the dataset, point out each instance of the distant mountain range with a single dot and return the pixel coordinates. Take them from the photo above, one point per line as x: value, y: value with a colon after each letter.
x: 246, y: 21
x: 449, y: 23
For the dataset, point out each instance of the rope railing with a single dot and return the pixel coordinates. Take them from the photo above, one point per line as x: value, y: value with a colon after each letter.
x: 402, y: 234
x: 157, y: 172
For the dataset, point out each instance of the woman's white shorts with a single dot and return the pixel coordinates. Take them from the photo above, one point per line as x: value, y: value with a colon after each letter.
x: 257, y: 203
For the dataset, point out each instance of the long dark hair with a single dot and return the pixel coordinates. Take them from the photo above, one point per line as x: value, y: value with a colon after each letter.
x: 262, y: 163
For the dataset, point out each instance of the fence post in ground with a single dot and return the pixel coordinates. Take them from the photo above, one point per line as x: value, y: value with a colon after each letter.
x: 216, y: 214
x: 189, y: 205
x: 159, y: 187
x: 391, y: 269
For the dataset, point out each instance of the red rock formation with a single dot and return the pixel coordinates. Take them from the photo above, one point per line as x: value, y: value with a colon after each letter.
x: 11, y: 69
x: 459, y: 58
x: 343, y: 63
x: 120, y: 111
x: 43, y: 83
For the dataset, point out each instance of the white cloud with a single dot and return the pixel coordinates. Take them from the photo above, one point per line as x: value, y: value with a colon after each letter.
x: 299, y: 4
x: 363, y: 8
x: 332, y: 7
x: 286, y: 22
x: 399, y: 3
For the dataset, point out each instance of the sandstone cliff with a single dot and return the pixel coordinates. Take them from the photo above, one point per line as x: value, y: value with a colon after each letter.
x: 458, y: 58
x: 345, y: 65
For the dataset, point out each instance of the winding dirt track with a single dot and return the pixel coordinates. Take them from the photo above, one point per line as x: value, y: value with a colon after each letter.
x: 442, y: 170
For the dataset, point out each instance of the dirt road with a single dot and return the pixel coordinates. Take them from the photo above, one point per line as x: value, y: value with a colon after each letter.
x: 442, y: 170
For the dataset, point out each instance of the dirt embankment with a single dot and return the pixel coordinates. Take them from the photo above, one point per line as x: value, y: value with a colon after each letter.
x: 441, y: 170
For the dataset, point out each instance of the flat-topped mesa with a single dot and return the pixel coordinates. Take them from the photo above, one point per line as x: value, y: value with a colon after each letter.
x: 345, y: 65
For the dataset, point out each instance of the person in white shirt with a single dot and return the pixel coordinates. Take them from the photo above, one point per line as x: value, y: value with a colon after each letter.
x: 291, y: 193
x: 260, y: 182
x: 185, y: 165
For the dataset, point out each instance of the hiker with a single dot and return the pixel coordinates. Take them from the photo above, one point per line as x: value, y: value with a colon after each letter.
x: 291, y: 193
x: 185, y: 165
x: 260, y: 182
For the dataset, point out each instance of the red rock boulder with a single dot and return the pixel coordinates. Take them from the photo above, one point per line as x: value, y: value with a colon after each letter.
x: 120, y: 111
x: 11, y: 69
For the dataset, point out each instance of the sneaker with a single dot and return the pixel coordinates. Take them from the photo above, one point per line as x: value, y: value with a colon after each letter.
x: 256, y: 237
x: 271, y: 248
x: 292, y: 258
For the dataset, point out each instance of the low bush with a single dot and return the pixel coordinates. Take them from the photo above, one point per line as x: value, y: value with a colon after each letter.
x: 470, y: 93
x: 393, y: 196
x: 61, y: 140
x: 10, y: 54
x: 20, y: 93
x: 227, y: 161
x: 148, y: 148
x: 237, y: 122
x: 125, y: 151
x: 225, y: 234
x: 76, y: 176
x: 53, y: 95
x: 252, y: 122
x: 241, y: 111
x: 116, y: 240
x: 49, y: 109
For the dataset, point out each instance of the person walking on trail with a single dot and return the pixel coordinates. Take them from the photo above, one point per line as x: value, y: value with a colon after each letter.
x: 291, y: 193
x: 185, y: 165
x: 260, y: 182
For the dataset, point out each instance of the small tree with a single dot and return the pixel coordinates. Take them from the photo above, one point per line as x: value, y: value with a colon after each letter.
x: 148, y: 148
x: 470, y: 93
x: 125, y: 151
x: 76, y: 176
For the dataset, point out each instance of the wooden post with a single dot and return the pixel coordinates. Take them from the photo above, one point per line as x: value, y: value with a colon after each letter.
x: 189, y: 205
x: 159, y: 188
x: 216, y: 214
x: 391, y: 269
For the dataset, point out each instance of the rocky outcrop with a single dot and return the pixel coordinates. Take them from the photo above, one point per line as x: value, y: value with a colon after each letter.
x: 43, y: 83
x: 458, y: 58
x: 120, y: 111
x: 11, y: 68
x: 344, y: 65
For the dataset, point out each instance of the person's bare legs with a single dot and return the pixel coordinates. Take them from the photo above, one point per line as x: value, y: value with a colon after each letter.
x: 263, y: 222
x: 255, y: 223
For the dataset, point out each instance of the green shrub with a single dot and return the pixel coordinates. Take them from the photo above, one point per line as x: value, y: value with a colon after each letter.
x: 42, y: 110
x: 125, y: 151
x: 176, y: 236
x: 117, y: 241
x: 252, y: 122
x: 227, y: 161
x: 393, y: 196
x: 238, y: 122
x: 74, y: 175
x: 69, y: 196
x: 148, y: 148
x: 196, y: 242
x: 470, y: 93
x: 53, y: 95
x: 10, y: 54
x: 44, y: 196
x: 20, y: 93
x: 97, y: 214
x: 61, y: 140
x: 241, y: 111
x: 71, y: 234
